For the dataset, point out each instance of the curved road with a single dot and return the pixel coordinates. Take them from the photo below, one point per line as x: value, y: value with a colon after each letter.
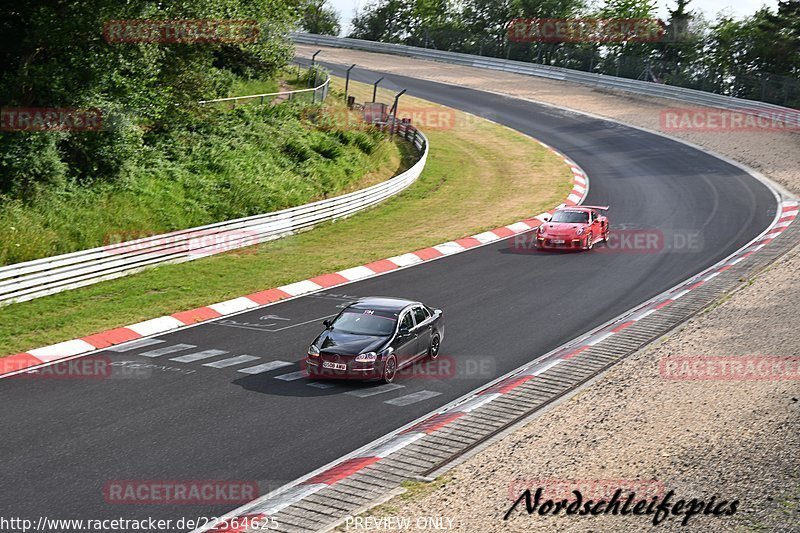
x: 194, y: 419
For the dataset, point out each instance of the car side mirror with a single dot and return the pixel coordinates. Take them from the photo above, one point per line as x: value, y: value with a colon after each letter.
x: 327, y: 323
x: 547, y: 217
x: 403, y: 330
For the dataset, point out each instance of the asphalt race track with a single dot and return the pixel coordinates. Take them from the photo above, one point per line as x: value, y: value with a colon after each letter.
x: 174, y: 413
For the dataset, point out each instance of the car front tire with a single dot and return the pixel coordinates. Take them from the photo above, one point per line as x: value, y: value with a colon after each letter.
x: 433, y: 350
x: 390, y: 369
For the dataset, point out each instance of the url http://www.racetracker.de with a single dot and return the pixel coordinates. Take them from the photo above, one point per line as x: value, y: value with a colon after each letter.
x: 144, y: 525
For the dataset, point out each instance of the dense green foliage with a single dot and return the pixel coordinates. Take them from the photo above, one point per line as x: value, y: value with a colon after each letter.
x: 59, y: 58
x: 226, y: 164
x: 160, y: 161
x: 757, y: 57
x: 320, y: 19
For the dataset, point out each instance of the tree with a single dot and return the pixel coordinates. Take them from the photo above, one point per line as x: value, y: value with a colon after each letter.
x: 634, y: 54
x: 485, y: 23
x: 680, y: 52
x: 320, y: 19
x: 55, y: 55
x: 428, y: 23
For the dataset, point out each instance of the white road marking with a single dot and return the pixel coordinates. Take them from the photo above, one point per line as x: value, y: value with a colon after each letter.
x: 300, y: 287
x: 450, y: 247
x: 359, y: 272
x: 600, y: 338
x: 486, y: 237
x: 227, y: 323
x: 397, y: 443
x: 158, y: 352
x: 372, y: 391
x: 518, y: 227
x: 266, y: 367
x: 232, y: 361
x: 62, y: 349
x: 282, y: 501
x: 128, y: 346
x: 293, y: 376
x: 232, y: 306
x: 197, y: 356
x: 321, y: 385
x: 414, y: 397
x: 675, y: 297
x: 405, y: 260
x: 476, y: 402
x: 545, y: 368
x: 646, y: 313
x: 156, y: 325
x: 320, y: 319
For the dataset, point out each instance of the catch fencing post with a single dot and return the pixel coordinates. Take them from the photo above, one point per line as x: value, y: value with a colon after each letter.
x: 375, y: 88
x: 393, y: 112
x: 347, y: 81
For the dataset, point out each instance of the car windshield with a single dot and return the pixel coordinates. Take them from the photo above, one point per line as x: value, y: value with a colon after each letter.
x: 366, y: 322
x: 571, y: 217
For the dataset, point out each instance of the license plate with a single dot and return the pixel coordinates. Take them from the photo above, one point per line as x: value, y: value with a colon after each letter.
x: 557, y: 241
x: 334, y: 366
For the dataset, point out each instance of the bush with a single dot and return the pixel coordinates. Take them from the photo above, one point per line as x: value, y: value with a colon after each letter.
x: 328, y: 147
x: 221, y: 164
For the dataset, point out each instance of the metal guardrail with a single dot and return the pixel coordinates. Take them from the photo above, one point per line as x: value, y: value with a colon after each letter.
x: 557, y: 73
x: 33, y: 279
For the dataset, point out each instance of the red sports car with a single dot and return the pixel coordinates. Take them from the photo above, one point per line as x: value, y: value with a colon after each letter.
x: 573, y: 228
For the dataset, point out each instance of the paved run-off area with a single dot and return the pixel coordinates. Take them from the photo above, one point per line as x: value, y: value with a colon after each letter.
x: 733, y: 439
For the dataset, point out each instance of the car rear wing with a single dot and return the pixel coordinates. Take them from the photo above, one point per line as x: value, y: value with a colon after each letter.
x: 547, y: 216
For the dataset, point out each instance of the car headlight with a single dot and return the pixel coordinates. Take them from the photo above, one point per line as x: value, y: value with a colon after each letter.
x: 580, y: 231
x: 368, y: 357
x: 313, y: 351
x: 542, y: 229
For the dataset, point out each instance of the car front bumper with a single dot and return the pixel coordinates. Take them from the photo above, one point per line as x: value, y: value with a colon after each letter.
x: 546, y: 243
x: 352, y: 370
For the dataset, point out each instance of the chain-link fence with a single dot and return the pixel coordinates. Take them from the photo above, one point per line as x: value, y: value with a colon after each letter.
x: 316, y: 78
x: 704, y: 76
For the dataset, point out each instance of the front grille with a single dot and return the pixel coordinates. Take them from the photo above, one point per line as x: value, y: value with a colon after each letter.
x: 333, y: 357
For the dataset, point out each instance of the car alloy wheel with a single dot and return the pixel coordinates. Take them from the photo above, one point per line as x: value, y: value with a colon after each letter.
x: 433, y: 351
x: 389, y: 369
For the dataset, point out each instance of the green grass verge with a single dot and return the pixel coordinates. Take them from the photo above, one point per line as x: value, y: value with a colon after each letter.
x: 247, y: 87
x: 469, y: 185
